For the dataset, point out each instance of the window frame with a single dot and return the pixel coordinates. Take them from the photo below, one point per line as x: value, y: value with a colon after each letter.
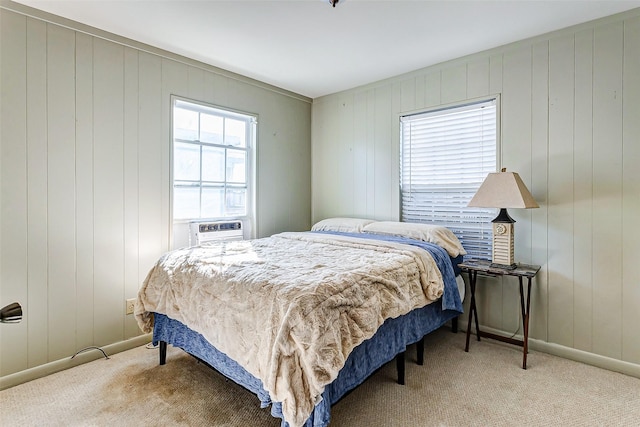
x: 484, y: 223
x: 249, y: 149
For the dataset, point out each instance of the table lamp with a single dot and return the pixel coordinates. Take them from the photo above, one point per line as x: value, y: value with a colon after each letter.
x: 503, y: 190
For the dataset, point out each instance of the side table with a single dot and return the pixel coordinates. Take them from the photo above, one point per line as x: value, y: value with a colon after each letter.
x: 473, y: 267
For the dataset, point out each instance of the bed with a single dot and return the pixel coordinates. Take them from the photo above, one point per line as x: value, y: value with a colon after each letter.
x: 300, y: 319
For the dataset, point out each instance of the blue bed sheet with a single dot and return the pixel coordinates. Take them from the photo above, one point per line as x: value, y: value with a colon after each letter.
x: 391, y: 338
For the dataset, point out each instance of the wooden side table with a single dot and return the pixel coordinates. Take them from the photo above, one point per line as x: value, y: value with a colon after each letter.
x: 473, y: 267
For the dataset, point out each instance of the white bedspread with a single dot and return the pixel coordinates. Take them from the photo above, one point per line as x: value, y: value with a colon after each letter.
x: 291, y: 307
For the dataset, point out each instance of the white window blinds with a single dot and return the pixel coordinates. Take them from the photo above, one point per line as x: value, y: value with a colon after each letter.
x: 445, y: 156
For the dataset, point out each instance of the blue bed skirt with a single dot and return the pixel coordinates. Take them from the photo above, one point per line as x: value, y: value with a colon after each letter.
x: 392, y: 338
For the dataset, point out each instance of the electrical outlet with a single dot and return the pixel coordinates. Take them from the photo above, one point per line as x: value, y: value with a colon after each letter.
x: 130, y: 305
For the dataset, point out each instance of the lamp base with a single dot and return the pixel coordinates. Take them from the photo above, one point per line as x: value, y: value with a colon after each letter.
x: 504, y: 266
x: 503, y: 253
x: 503, y: 216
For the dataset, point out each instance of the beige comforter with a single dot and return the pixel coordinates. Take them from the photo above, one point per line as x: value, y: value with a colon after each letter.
x: 291, y: 307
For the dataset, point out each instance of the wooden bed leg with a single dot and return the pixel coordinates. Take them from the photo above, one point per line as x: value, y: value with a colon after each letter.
x: 163, y: 352
x: 400, y: 367
x: 420, y: 348
x: 454, y: 325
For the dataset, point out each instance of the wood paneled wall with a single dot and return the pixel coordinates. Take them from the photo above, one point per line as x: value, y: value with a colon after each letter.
x: 570, y: 126
x: 85, y: 177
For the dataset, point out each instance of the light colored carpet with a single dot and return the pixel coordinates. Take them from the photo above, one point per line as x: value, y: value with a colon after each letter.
x: 485, y: 387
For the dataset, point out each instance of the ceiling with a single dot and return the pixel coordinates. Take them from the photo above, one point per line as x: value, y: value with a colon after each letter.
x: 313, y: 49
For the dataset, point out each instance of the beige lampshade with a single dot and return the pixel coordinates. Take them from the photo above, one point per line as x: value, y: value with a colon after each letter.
x: 503, y: 190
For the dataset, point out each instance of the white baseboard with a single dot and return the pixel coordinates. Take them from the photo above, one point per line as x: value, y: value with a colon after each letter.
x: 603, y: 362
x: 581, y: 356
x: 66, y: 363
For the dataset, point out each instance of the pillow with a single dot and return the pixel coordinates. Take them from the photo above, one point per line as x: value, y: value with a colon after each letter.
x: 345, y: 225
x: 436, y: 234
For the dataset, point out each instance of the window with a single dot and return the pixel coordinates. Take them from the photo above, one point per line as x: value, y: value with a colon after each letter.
x: 211, y: 161
x: 445, y: 156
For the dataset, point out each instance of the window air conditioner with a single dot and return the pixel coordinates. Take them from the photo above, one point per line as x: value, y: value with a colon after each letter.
x: 218, y: 231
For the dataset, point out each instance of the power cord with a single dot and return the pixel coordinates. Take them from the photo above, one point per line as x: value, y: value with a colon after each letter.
x: 93, y: 347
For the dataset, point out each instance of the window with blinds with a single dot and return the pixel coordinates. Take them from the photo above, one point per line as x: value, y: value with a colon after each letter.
x: 445, y: 156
